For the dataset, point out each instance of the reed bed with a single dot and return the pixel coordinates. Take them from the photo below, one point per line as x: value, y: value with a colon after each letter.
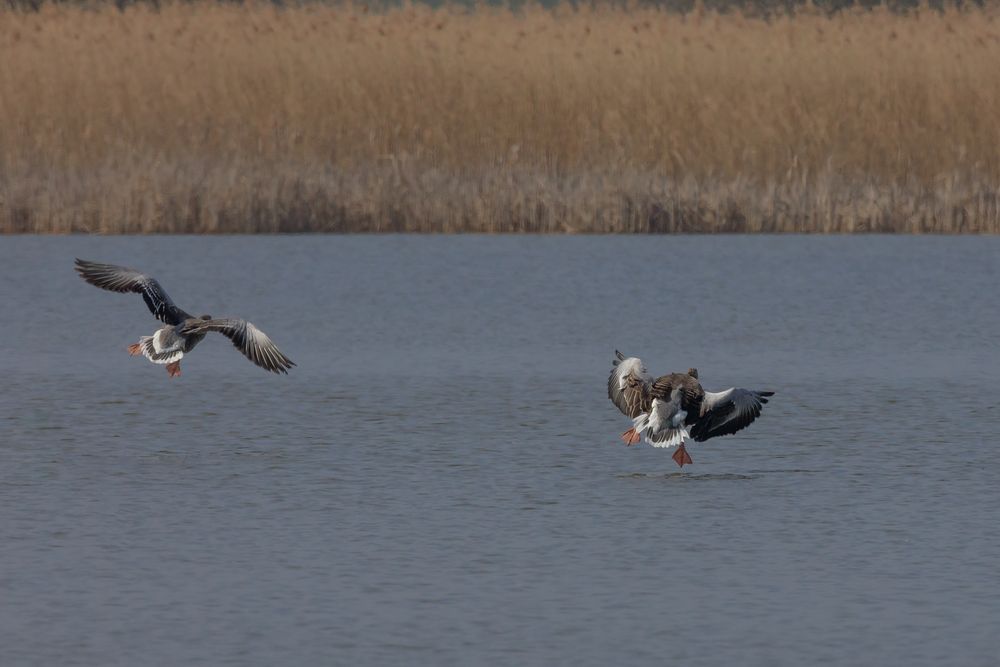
x: 222, y: 118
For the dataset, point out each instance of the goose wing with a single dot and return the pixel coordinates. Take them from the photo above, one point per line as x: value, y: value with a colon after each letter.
x: 629, y: 385
x: 251, y: 341
x: 691, y: 394
x: 726, y: 412
x: 122, y: 279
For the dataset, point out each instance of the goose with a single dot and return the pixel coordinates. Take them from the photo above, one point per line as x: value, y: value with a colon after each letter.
x: 181, y: 332
x: 671, y: 409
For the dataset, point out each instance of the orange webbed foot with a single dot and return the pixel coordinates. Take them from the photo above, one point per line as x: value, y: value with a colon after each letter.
x: 681, y: 456
x: 174, y: 369
x: 630, y: 437
x: 134, y: 349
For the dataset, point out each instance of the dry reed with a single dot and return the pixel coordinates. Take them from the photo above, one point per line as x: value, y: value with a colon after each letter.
x: 220, y: 118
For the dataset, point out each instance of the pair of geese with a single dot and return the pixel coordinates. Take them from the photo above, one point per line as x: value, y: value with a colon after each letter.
x: 666, y: 410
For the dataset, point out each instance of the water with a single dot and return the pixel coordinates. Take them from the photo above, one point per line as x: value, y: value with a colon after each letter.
x: 439, y: 482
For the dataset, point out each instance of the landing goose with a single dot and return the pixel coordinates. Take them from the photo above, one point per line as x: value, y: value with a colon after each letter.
x: 182, y: 332
x: 671, y: 409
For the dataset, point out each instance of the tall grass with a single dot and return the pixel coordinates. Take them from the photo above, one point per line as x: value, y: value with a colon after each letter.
x: 221, y: 118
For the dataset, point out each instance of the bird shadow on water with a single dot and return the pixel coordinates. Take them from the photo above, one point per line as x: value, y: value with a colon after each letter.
x: 678, y: 476
x: 686, y: 476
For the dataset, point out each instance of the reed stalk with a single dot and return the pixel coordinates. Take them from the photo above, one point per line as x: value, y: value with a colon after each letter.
x: 206, y: 118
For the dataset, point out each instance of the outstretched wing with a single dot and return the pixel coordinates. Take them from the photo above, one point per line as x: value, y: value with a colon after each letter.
x: 251, y: 341
x: 628, y: 385
x: 726, y: 412
x: 122, y: 279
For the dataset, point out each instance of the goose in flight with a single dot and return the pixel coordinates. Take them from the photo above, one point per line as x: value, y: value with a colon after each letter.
x: 181, y: 331
x: 671, y: 409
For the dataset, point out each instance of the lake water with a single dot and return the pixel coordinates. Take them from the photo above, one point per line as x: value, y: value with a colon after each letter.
x: 440, y: 482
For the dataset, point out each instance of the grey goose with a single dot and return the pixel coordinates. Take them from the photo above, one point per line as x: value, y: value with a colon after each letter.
x: 181, y: 332
x: 673, y: 408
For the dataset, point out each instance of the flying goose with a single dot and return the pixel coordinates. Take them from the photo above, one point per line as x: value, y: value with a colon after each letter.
x: 673, y: 408
x: 182, y: 331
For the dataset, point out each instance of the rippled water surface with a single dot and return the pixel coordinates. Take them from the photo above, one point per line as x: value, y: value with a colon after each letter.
x: 439, y: 481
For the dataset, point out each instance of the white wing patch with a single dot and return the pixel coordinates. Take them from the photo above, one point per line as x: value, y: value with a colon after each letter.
x: 628, y: 384
x: 158, y: 341
x: 726, y: 412
x: 631, y: 366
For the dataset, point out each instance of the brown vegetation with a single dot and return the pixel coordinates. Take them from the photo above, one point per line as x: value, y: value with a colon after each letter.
x: 220, y: 118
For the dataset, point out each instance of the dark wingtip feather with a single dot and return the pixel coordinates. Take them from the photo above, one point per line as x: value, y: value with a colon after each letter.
x: 86, y: 271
